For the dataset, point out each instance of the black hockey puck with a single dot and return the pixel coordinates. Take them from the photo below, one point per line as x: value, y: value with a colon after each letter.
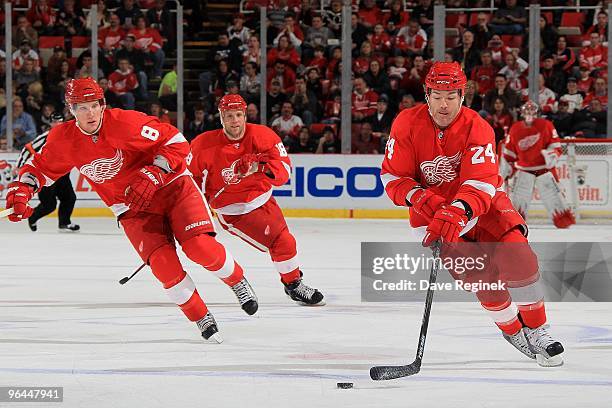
x: 344, y: 385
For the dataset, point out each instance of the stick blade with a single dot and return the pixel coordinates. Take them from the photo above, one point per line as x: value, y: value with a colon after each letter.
x: 379, y: 373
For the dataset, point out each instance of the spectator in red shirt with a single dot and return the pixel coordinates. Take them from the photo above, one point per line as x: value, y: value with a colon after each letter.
x: 150, y: 42
x: 363, y: 101
x: 600, y: 92
x: 155, y: 109
x: 109, y: 38
x: 284, y: 51
x: 411, y: 39
x: 109, y: 41
x: 369, y: 13
x: 565, y: 59
x: 484, y: 74
x: 123, y: 83
x: 284, y: 74
x: 381, y: 40
x: 501, y: 120
x: 361, y: 64
x: 319, y: 59
x: 595, y: 56
x: 365, y: 143
x: 585, y: 82
x: 42, y: 17
x: 498, y: 50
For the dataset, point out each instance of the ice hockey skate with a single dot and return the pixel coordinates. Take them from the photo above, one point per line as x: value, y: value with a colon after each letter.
x: 68, y: 228
x: 519, y: 341
x: 304, y: 294
x: 208, y: 327
x: 246, y: 296
x: 548, y: 350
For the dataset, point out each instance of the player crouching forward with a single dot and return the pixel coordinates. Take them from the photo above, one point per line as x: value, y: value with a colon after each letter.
x: 533, y: 148
x: 237, y: 167
x: 441, y: 163
x: 137, y: 166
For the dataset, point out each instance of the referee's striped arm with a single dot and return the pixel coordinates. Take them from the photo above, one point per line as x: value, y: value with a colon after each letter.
x: 32, y: 147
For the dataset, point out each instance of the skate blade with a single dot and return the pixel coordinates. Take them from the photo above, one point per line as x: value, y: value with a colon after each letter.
x: 215, y: 338
x: 67, y: 231
x: 554, y: 361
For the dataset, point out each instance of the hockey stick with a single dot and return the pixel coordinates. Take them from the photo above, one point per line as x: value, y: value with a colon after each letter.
x: 392, y: 372
x: 125, y: 280
x: 6, y: 212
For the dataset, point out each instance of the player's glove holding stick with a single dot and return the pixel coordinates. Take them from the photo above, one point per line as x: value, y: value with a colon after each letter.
x: 446, y: 225
x: 425, y: 202
x: 142, y: 187
x: 17, y: 198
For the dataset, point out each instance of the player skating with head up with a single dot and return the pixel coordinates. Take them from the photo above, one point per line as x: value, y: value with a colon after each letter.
x: 237, y: 167
x: 531, y: 153
x: 137, y: 166
x: 440, y: 162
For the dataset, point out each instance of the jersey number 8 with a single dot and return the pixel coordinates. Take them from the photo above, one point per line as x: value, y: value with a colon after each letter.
x: 149, y: 133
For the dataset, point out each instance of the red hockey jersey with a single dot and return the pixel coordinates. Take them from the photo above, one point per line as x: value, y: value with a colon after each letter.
x: 127, y: 141
x: 213, y: 160
x: 458, y: 163
x: 525, y: 144
x: 149, y: 40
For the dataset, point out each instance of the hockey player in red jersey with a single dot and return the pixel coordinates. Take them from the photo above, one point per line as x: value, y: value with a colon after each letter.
x: 440, y: 162
x: 237, y: 167
x: 533, y: 149
x: 137, y: 166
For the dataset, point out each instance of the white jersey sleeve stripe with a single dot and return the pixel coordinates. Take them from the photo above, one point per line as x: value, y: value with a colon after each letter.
x: 178, y: 138
x: 482, y: 186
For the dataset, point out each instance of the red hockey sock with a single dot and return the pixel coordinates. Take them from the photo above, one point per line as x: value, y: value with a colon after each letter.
x: 206, y: 251
x: 177, y: 284
x: 505, y: 316
x: 284, y: 255
x: 533, y: 315
x: 194, y: 308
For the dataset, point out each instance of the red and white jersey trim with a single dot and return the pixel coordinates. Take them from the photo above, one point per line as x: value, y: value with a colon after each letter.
x: 482, y: 186
x: 245, y: 208
x: 178, y: 138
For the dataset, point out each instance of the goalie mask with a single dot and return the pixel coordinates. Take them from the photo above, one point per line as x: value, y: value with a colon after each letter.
x: 529, y: 111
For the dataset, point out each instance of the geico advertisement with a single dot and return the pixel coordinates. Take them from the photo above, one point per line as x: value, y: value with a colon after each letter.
x: 353, y: 182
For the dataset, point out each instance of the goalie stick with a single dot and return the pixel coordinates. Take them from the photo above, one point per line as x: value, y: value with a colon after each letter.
x: 392, y: 372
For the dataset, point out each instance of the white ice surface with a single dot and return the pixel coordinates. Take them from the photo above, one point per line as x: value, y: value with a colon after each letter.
x: 65, y: 321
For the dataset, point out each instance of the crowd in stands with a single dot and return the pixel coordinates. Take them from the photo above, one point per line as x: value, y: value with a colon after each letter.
x: 392, y: 50
x: 51, y: 45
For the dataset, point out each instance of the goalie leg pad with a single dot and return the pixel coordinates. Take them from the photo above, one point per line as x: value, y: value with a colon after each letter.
x: 522, y: 191
x: 554, y: 201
